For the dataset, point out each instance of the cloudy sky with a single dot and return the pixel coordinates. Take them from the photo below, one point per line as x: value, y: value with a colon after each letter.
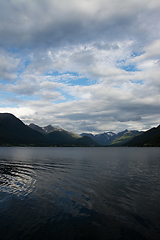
x: 84, y: 65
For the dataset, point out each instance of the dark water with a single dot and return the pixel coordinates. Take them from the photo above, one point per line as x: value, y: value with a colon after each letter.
x: 80, y: 193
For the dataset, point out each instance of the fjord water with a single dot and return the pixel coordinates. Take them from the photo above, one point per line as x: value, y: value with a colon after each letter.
x: 80, y: 193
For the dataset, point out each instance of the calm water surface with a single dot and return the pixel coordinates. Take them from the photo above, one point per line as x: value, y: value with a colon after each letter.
x: 80, y: 193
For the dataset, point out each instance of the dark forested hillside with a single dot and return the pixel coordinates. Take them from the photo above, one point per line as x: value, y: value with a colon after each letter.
x: 13, y: 131
x: 148, y: 138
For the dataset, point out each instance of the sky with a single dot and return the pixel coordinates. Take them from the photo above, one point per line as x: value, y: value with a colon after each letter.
x: 87, y: 66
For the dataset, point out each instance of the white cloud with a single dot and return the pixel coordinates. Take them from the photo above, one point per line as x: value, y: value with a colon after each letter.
x: 18, y: 112
x: 8, y: 66
x: 84, y: 65
x: 151, y: 53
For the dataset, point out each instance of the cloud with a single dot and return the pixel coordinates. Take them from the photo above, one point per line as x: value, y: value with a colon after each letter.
x: 8, y: 66
x: 106, y: 46
x: 18, y: 112
x: 150, y: 55
x: 83, y: 58
x: 107, y: 107
x: 84, y: 65
x: 49, y: 23
x: 22, y: 89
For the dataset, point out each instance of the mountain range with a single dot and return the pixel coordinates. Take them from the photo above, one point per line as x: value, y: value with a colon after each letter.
x: 104, y: 139
x: 113, y: 139
x: 13, y: 132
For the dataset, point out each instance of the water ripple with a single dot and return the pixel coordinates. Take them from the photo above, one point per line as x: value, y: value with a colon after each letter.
x: 17, y: 178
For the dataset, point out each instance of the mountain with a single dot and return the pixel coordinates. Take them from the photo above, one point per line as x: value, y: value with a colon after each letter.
x: 123, y: 137
x: 58, y: 136
x: 102, y: 139
x: 50, y: 128
x: 86, y: 141
x: 15, y: 133
x: 65, y: 138
x: 112, y: 139
x: 36, y: 127
x: 46, y: 129
x: 148, y: 138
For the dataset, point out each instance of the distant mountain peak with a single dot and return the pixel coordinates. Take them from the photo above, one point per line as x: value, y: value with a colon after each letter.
x: 60, y: 129
x: 110, y: 133
x: 48, y: 128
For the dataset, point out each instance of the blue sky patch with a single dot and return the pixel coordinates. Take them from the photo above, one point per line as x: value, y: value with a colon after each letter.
x: 72, y: 78
x: 141, y: 82
x: 130, y: 68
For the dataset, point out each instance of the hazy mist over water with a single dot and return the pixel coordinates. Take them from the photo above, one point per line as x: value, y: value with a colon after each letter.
x: 79, y: 193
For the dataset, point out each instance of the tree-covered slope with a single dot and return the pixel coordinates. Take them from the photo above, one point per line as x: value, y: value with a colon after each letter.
x: 36, y: 127
x: 148, y: 138
x: 124, y: 137
x: 66, y: 138
x: 86, y: 141
x: 60, y: 137
x: 14, y: 131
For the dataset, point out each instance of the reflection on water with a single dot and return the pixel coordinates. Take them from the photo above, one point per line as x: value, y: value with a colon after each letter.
x: 80, y: 193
